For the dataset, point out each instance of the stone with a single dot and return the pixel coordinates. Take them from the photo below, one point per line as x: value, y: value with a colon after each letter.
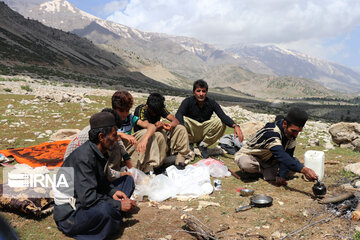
x: 248, y: 129
x: 354, y: 168
x: 48, y: 132
x: 328, y: 146
x: 10, y: 106
x: 347, y: 145
x: 344, y: 132
x: 313, y: 142
x: 204, y: 204
x: 356, y: 144
x: 64, y: 134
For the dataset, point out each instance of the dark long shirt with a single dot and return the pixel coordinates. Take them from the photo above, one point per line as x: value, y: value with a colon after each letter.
x: 90, y: 182
x: 191, y: 109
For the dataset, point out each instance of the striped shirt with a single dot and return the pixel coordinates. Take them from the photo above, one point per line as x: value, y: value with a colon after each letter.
x: 270, y: 142
x: 267, y: 137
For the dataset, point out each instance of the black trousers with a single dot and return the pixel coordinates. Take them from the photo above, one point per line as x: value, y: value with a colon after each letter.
x: 100, y: 220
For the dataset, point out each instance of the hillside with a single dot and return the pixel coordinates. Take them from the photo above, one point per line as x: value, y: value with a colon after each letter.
x: 33, y: 48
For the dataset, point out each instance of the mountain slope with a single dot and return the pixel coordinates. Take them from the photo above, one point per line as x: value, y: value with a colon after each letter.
x: 170, y: 59
x: 32, y: 47
x: 291, y: 63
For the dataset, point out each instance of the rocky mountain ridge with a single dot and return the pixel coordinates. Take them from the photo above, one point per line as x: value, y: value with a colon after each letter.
x: 29, y: 46
x: 184, y: 50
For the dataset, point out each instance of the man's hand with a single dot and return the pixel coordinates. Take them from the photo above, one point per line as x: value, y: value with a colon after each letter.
x: 126, y: 205
x: 119, y: 195
x: 141, y: 147
x: 309, y: 174
x: 238, y: 133
x: 167, y: 126
x: 281, y: 181
x: 129, y: 138
x: 126, y: 173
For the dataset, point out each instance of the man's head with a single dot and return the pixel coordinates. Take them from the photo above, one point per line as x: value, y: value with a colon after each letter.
x: 294, y: 122
x: 155, y: 103
x: 122, y: 101
x: 200, y: 89
x: 118, y: 120
x: 103, y: 130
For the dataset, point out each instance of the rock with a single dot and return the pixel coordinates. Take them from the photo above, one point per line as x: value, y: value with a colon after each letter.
x: 29, y: 140
x: 10, y: 106
x: 64, y: 134
x: 356, y: 144
x: 313, y: 142
x: 249, y: 128
x: 345, y: 133
x: 277, y: 235
x: 328, y: 146
x: 203, y: 204
x: 48, y: 132
x: 305, y: 213
x: 347, y: 145
x: 354, y: 168
x: 165, y: 207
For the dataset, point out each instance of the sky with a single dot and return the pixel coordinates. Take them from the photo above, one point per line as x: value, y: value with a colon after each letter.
x: 326, y: 29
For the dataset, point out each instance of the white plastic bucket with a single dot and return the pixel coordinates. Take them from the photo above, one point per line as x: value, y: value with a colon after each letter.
x: 315, y: 160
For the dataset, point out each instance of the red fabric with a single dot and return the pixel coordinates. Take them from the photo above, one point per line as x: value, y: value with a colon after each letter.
x: 45, y: 154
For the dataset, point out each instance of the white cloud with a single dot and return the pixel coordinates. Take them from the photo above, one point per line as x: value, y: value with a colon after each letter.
x: 247, y: 21
x: 297, y: 24
x: 114, y: 6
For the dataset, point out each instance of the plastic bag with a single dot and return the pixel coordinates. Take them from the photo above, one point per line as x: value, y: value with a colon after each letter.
x: 217, y: 168
x: 193, y: 181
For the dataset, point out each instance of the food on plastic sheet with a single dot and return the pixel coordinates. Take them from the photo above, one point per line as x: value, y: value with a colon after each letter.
x: 217, y: 168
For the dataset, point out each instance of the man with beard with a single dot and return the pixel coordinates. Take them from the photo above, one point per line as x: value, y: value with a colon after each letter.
x: 95, y: 209
x: 270, y: 150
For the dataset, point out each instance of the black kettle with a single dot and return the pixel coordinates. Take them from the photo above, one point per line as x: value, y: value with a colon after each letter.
x: 319, y: 189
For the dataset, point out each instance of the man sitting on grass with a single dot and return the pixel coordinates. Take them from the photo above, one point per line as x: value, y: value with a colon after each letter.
x: 175, y: 138
x: 96, y: 208
x: 195, y: 114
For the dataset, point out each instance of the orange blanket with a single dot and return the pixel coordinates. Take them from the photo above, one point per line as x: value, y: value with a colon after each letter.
x: 45, y: 154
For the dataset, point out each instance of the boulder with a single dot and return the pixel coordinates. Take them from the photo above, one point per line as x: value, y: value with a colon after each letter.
x: 64, y: 134
x: 346, y: 133
x: 354, y: 168
x: 248, y: 129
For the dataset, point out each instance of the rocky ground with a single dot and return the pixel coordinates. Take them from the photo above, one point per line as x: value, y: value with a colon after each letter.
x: 32, y: 110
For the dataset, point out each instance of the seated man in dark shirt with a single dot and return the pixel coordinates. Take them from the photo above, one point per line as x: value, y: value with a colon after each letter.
x: 195, y: 114
x: 95, y: 209
x: 175, y: 139
x: 270, y: 150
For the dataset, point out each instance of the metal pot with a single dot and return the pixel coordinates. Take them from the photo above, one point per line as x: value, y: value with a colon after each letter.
x: 246, y: 192
x: 319, y: 189
x: 257, y: 201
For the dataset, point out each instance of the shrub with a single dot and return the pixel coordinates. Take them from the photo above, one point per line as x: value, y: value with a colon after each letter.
x: 26, y: 88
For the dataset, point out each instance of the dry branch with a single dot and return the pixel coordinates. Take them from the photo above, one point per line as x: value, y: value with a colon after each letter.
x: 337, y: 198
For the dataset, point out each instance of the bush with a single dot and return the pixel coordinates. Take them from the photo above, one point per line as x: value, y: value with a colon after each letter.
x: 26, y: 88
x: 357, y: 236
x: 7, y: 90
